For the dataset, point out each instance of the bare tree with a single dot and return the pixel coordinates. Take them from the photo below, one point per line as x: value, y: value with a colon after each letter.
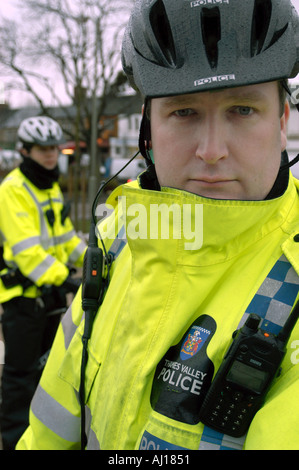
x: 73, y: 43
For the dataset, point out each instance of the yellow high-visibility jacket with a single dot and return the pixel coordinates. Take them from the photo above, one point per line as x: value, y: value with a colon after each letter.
x: 30, y: 243
x: 204, y: 265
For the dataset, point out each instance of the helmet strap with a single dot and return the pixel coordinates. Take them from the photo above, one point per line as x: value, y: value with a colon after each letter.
x: 289, y: 164
x: 145, y: 144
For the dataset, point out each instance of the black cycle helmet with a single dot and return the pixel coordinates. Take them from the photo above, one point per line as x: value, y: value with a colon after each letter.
x: 175, y: 47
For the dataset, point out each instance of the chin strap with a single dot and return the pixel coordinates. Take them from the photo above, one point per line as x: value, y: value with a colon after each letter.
x: 145, y: 135
x: 289, y: 164
x: 285, y: 166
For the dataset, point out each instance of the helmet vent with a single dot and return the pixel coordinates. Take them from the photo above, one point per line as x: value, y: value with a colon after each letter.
x: 260, y: 25
x: 163, y: 34
x: 277, y: 35
x: 211, y: 33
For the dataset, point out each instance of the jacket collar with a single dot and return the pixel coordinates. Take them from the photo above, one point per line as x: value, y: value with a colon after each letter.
x: 182, y: 227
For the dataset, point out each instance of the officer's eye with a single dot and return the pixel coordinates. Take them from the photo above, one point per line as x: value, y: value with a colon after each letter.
x: 184, y: 112
x: 244, y: 110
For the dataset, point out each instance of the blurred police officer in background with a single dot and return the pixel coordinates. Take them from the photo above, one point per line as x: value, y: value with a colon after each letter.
x: 39, y: 247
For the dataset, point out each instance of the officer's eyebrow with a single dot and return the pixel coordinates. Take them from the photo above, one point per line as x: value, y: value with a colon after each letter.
x: 178, y: 100
x: 245, y: 94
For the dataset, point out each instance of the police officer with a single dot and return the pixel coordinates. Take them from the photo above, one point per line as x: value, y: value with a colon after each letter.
x: 39, y: 246
x: 214, y: 134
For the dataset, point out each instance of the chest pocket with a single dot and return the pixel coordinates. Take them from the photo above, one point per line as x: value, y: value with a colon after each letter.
x: 180, y: 384
x: 181, y: 381
x: 71, y: 366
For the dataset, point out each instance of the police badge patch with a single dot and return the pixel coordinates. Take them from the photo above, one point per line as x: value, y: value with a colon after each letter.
x: 184, y: 374
x: 194, y: 341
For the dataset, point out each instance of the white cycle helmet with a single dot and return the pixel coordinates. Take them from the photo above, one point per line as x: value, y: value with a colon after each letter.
x: 40, y: 130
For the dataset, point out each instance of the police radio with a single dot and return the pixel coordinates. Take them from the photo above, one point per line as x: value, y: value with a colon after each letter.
x: 248, y: 369
x: 94, y: 285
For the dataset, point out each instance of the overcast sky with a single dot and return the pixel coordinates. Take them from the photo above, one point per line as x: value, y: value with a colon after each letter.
x: 6, y: 6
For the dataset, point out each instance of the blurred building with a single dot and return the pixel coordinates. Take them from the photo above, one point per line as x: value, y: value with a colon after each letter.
x: 118, y: 131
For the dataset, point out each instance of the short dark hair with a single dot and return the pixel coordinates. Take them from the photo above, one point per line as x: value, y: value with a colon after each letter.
x: 27, y: 147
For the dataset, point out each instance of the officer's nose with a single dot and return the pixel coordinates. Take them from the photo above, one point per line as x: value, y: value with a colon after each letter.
x: 212, y: 141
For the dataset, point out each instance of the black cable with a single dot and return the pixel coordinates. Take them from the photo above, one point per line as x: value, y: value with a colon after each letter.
x: 105, y: 183
x: 94, y: 285
x: 93, y: 211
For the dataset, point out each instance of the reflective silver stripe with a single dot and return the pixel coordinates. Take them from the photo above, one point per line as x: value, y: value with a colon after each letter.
x: 44, y: 236
x: 77, y: 252
x: 119, y: 243
x: 25, y: 244
x: 68, y: 327
x: 41, y: 268
x: 92, y: 441
x: 48, y: 202
x: 33, y: 241
x: 66, y: 237
x: 55, y: 417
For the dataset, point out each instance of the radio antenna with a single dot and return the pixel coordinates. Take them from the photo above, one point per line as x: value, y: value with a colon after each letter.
x: 289, y: 325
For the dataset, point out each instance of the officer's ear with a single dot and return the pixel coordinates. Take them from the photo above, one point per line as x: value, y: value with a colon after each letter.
x: 25, y: 152
x: 283, y: 126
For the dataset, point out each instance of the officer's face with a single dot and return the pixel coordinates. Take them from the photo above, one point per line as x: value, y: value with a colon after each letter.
x: 45, y: 156
x: 223, y: 145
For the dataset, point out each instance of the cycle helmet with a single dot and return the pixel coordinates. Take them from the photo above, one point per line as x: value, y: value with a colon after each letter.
x: 184, y: 46
x: 40, y: 130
